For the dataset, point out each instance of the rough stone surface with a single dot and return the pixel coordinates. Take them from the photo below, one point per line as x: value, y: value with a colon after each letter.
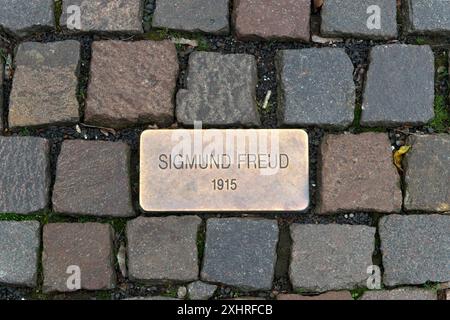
x: 400, y: 86
x: 221, y: 90
x: 163, y: 249
x: 346, y: 18
x: 193, y: 16
x: 357, y: 174
x: 132, y: 83
x: 19, y: 248
x: 415, y: 249
x: 272, y: 19
x: 316, y: 87
x: 163, y: 298
x: 106, y: 15
x: 45, y: 84
x: 400, y: 294
x: 24, y: 174
x: 201, y: 291
x: 2, y: 75
x: 240, y: 252
x: 92, y: 178
x: 86, y: 245
x: 428, y: 16
x: 332, y: 295
x: 330, y: 257
x: 427, y: 173
x: 24, y: 17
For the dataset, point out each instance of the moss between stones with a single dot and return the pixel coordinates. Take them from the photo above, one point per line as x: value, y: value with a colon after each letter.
x: 58, y: 12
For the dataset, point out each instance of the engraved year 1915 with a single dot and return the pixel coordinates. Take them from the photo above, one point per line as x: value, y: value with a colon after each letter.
x: 224, y: 184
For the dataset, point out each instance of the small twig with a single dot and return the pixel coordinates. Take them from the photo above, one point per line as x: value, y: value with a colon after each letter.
x: 266, y: 100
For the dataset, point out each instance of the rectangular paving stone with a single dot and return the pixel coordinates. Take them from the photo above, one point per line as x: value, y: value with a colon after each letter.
x: 24, y: 17
x: 272, y: 19
x: 247, y: 170
x: 93, y: 178
x: 45, y: 84
x: 330, y: 257
x: 316, y: 88
x: 24, y: 174
x: 131, y: 83
x: 344, y: 18
x: 429, y: 17
x: 427, y: 174
x: 221, y: 91
x: 193, y: 15
x: 87, y: 247
x: 163, y: 249
x: 356, y: 173
x: 415, y: 249
x: 105, y: 15
x: 400, y: 294
x: 399, y: 89
x: 240, y: 252
x: 19, y: 249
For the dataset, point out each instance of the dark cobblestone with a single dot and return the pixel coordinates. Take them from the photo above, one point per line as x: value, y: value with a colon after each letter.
x: 24, y: 174
x: 193, y: 16
x: 93, y: 178
x: 24, y: 17
x: 415, y: 249
x: 19, y: 248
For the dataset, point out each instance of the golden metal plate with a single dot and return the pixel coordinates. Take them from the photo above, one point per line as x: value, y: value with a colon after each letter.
x: 224, y: 170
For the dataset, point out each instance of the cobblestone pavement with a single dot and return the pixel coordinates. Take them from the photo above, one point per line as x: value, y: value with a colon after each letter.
x: 73, y: 104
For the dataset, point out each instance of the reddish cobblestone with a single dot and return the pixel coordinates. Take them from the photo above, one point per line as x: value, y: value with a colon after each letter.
x: 357, y: 174
x: 272, y: 19
x: 87, y: 246
x: 132, y: 83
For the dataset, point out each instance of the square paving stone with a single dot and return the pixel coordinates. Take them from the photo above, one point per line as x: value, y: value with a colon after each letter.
x: 163, y: 249
x: 400, y: 294
x: 132, y: 83
x: 45, y: 84
x: 415, y: 249
x: 193, y: 15
x: 221, y: 91
x: 19, y: 250
x: 399, y: 88
x: 430, y: 17
x: 427, y: 174
x: 357, y: 174
x: 93, y: 178
x: 24, y: 17
x: 106, y: 15
x: 24, y: 174
x: 272, y: 19
x: 346, y: 18
x: 88, y: 246
x: 241, y: 252
x: 330, y: 257
x: 316, y: 87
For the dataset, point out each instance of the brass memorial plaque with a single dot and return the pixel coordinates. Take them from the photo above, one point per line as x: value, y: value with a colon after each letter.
x: 224, y: 170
